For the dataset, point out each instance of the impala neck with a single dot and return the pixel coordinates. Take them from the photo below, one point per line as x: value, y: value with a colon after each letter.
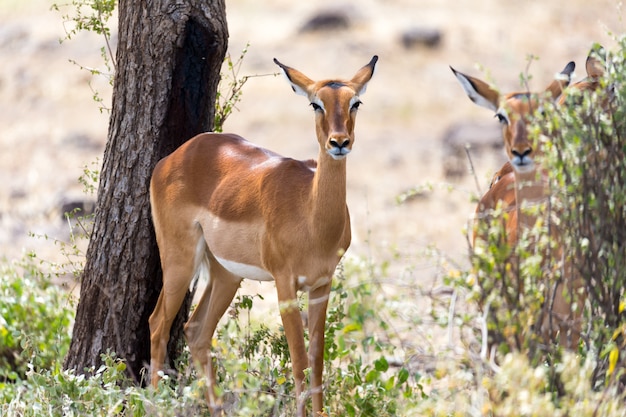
x: 329, y: 198
x: 530, y: 189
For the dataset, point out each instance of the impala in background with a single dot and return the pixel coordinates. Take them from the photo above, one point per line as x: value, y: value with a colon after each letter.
x: 520, y: 184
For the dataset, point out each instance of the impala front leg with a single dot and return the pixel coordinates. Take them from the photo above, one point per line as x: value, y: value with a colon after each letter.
x: 294, y: 332
x: 318, y: 302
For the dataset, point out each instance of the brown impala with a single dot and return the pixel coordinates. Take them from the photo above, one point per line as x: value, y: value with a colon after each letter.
x: 521, y: 183
x: 224, y: 205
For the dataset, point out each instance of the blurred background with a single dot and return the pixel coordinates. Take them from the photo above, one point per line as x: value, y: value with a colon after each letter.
x: 410, y: 133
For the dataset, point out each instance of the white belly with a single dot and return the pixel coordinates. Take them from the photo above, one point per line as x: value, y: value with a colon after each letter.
x: 245, y: 271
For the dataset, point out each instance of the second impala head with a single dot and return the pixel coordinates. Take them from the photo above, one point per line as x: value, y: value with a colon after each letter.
x: 335, y: 103
x: 514, y: 111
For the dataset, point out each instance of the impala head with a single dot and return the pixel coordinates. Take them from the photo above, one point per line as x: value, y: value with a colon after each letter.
x: 514, y: 111
x: 595, y: 67
x: 335, y: 103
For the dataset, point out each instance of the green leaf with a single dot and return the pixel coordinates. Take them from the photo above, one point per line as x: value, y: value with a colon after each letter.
x: 381, y: 364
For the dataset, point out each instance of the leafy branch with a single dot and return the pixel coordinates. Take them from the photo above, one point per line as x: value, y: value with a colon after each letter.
x: 91, y: 16
x: 226, y: 101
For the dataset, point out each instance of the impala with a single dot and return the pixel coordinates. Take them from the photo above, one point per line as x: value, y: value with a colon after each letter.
x: 595, y: 68
x: 521, y: 183
x: 224, y: 205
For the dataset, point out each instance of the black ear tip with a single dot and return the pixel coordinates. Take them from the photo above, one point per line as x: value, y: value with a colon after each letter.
x: 569, y: 68
x: 277, y: 62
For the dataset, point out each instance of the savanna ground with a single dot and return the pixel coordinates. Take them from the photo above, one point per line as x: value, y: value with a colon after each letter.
x: 52, y: 128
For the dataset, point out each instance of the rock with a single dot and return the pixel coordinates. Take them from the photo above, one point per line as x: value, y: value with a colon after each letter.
x: 77, y: 208
x: 478, y: 137
x: 13, y: 36
x: 415, y: 37
x: 326, y: 20
x: 80, y: 140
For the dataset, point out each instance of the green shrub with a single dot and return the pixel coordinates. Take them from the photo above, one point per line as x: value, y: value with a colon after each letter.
x: 584, y: 142
x: 35, y: 320
x: 587, y: 153
x: 253, y: 366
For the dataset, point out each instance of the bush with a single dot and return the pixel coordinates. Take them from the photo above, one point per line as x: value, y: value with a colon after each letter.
x: 587, y: 151
x: 584, y: 144
x: 35, y: 319
x: 253, y: 366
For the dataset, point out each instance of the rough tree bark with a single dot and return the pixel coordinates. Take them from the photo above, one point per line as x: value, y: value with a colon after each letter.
x: 169, y: 56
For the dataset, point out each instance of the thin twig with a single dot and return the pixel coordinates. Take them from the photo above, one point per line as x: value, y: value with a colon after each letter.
x: 451, y: 318
x: 106, y: 40
x: 483, y: 329
x: 472, y: 170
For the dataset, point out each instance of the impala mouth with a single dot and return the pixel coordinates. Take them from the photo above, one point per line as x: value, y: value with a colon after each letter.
x: 523, y: 164
x: 338, y: 153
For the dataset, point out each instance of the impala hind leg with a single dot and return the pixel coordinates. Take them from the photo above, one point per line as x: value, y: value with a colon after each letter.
x: 179, y: 261
x: 567, y: 314
x: 176, y: 280
x: 200, y: 328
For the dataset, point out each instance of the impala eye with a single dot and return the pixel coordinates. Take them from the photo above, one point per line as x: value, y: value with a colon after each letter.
x: 316, y: 106
x: 502, y: 118
x: 356, y: 105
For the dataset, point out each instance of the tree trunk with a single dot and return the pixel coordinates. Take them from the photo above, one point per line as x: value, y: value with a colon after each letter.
x: 169, y: 56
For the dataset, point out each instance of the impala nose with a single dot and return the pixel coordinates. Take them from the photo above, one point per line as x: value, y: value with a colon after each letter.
x: 339, y: 147
x: 522, y: 154
x: 339, y: 142
x: 522, y: 159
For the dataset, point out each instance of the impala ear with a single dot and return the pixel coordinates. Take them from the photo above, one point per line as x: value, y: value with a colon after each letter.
x: 364, y: 75
x: 561, y: 80
x: 478, y: 91
x: 300, y: 83
x: 595, y: 62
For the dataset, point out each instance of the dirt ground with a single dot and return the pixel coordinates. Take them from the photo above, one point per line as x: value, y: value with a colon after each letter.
x: 52, y: 128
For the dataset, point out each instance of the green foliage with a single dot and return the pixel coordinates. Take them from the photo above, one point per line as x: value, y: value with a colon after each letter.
x: 519, y: 388
x: 89, y: 179
x: 586, y: 146
x: 35, y: 318
x: 229, y: 95
x: 91, y: 16
x: 583, y: 142
x: 512, y: 282
x: 230, y: 89
x: 107, y: 392
x: 253, y: 366
x: 359, y: 343
x: 87, y: 15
